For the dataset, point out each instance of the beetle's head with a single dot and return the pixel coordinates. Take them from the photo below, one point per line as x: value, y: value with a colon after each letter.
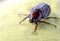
x: 33, y: 17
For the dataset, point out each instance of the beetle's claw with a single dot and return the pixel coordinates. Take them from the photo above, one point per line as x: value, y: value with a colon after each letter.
x: 20, y: 22
x: 55, y: 26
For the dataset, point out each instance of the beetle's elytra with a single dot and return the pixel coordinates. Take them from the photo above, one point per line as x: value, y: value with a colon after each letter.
x: 38, y: 14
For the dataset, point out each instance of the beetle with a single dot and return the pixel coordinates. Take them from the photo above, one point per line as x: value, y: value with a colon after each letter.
x: 38, y: 14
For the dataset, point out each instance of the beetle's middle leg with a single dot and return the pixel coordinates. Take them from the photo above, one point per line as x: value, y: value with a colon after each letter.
x: 52, y: 18
x: 47, y: 23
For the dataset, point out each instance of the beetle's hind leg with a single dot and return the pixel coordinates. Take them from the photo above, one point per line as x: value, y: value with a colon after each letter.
x: 52, y: 18
x: 48, y: 23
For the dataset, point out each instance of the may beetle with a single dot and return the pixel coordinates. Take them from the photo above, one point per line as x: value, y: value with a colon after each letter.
x: 38, y: 14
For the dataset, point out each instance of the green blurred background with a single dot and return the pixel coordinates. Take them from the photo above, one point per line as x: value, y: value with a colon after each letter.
x: 11, y: 30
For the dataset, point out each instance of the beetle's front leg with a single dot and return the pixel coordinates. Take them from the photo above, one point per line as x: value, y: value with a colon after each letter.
x: 24, y: 19
x: 52, y: 18
x: 35, y: 27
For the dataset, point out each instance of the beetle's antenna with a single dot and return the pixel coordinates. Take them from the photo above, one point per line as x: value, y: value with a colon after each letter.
x: 35, y: 27
x: 22, y: 14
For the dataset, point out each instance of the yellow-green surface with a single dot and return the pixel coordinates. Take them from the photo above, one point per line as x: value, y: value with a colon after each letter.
x: 11, y: 30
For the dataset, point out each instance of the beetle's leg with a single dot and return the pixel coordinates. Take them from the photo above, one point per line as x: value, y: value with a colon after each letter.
x: 24, y: 19
x: 48, y: 23
x: 35, y: 27
x: 52, y: 18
